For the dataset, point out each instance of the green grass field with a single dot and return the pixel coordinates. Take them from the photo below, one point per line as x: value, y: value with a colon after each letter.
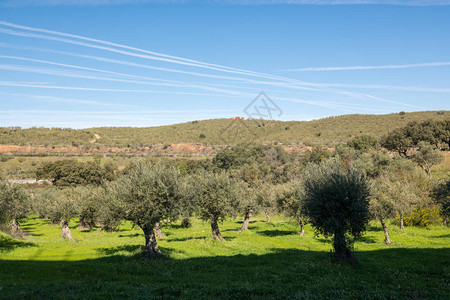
x: 268, y: 261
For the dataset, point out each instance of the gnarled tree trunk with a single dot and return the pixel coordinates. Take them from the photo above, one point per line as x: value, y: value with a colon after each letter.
x: 151, y: 249
x: 401, y: 222
x: 215, y: 230
x: 341, y: 250
x: 66, y: 230
x: 158, y: 231
x: 84, y: 224
x: 15, y: 228
x: 248, y: 214
x: 267, y: 216
x: 386, y: 232
x: 302, y: 227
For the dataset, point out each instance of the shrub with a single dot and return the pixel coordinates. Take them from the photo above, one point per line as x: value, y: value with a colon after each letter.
x: 423, y: 217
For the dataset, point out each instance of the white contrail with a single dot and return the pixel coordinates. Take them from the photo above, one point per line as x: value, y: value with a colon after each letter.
x: 68, y: 100
x: 65, y: 40
x: 319, y: 103
x: 144, y: 66
x: 230, y: 70
x: 319, y: 69
x: 188, y: 62
x: 125, y: 47
x: 21, y: 84
x: 390, y: 87
x: 84, y: 76
x: 85, y: 68
x: 268, y: 76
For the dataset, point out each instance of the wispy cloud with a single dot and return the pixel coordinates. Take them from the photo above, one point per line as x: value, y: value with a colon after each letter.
x: 16, y: 3
x: 419, y: 65
x: 390, y: 87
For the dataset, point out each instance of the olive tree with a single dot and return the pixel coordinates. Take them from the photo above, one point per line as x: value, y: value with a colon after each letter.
x: 217, y: 197
x: 382, y: 205
x: 426, y: 157
x: 336, y: 201
x: 290, y: 201
x: 88, y: 206
x: 441, y: 194
x: 14, y: 204
x: 146, y: 195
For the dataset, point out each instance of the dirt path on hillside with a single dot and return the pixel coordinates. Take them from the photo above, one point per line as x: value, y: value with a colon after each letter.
x: 96, y: 137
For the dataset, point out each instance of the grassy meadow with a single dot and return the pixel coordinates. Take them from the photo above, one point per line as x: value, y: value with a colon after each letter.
x: 270, y: 260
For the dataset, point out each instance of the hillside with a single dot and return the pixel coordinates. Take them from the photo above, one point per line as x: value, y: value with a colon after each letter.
x: 220, y: 132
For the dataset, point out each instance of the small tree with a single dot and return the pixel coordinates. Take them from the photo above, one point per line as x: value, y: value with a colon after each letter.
x: 145, y: 196
x: 426, y: 157
x: 382, y: 205
x: 217, y: 198
x: 363, y: 143
x: 289, y: 199
x: 336, y: 202
x: 14, y: 205
x: 441, y: 194
x: 63, y: 206
x: 88, y: 206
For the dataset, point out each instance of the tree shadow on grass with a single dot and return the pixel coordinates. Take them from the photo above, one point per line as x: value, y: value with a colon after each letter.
x: 277, y: 232
x: 280, y: 274
x: 374, y: 228
x: 130, y: 235
x: 8, y: 244
x: 186, y: 239
x: 238, y: 229
x: 133, y: 250
x: 441, y: 236
x: 366, y: 239
x: 241, y: 221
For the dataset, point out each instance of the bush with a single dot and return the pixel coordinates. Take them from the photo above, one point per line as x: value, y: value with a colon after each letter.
x: 423, y: 217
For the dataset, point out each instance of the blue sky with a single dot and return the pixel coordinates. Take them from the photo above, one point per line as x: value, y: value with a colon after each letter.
x: 88, y: 63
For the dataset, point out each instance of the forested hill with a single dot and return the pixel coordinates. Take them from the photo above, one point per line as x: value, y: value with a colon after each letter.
x: 221, y: 131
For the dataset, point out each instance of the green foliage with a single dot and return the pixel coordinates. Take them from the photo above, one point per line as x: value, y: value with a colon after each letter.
x: 423, y: 217
x: 426, y: 157
x: 431, y: 132
x: 363, y: 143
x: 441, y: 194
x: 147, y: 194
x: 232, y: 132
x: 40, y: 136
x: 336, y: 201
x: 290, y: 200
x: 15, y: 202
x: 217, y: 195
x: 316, y: 155
x: 70, y: 172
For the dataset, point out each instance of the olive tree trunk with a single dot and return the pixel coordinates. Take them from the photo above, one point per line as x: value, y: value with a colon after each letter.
x: 151, y: 249
x: 386, y: 232
x: 341, y: 249
x: 215, y: 230
x: 267, y: 216
x: 16, y: 230
x: 84, y: 224
x: 248, y: 214
x: 158, y: 231
x: 66, y: 230
x: 401, y: 222
x: 302, y: 227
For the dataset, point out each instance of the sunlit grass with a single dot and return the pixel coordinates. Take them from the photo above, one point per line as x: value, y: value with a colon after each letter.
x: 268, y: 261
